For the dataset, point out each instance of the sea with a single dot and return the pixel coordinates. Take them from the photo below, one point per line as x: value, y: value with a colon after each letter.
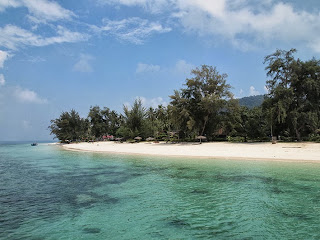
x: 47, y: 192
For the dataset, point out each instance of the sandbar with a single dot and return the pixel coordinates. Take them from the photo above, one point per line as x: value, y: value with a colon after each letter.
x: 298, y: 151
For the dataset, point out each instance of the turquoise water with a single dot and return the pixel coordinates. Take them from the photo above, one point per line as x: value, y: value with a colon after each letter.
x: 49, y: 193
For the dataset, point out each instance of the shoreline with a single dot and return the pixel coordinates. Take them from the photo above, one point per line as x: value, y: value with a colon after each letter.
x: 287, y: 152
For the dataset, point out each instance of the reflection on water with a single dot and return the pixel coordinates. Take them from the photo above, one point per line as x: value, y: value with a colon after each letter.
x: 49, y: 193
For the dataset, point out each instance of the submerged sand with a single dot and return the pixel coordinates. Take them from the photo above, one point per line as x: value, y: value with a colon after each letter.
x: 215, y: 150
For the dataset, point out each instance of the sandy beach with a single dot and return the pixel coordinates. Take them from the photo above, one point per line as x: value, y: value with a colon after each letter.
x: 215, y: 150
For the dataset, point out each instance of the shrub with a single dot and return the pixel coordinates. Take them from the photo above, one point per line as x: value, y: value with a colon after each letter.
x: 235, y: 139
x: 314, y: 137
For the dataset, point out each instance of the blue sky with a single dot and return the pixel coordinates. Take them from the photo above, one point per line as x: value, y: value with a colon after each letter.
x: 59, y: 55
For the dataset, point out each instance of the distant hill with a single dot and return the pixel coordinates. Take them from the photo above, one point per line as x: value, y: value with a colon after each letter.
x: 252, y: 101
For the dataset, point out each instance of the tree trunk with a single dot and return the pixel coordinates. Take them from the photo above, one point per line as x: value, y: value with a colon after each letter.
x: 204, y: 125
x: 298, y: 135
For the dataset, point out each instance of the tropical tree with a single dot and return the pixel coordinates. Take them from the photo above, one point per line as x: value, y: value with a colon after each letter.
x: 294, y: 91
x: 97, y: 122
x: 133, y: 121
x: 163, y: 123
x: 69, y: 126
x: 198, y: 108
x: 112, y: 120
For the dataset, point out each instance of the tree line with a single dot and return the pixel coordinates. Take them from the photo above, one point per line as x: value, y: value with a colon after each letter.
x: 205, y: 106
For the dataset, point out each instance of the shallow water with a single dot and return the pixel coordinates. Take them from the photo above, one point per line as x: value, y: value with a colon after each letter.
x: 49, y: 193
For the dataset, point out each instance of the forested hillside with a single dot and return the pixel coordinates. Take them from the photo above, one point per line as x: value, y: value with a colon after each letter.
x: 252, y: 101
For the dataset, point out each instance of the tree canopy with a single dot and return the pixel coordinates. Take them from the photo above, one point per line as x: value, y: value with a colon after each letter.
x: 205, y: 106
x: 69, y: 126
x: 198, y: 108
x: 294, y: 91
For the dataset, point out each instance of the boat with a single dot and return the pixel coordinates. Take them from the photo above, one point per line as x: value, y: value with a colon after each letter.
x: 34, y: 144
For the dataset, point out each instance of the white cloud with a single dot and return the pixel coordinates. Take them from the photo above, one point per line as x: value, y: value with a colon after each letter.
x: 3, y: 57
x: 83, y: 65
x: 9, y: 3
x: 246, y: 24
x: 240, y: 94
x: 28, y: 96
x: 253, y: 91
x: 148, y: 102
x: 48, y: 9
x: 143, y: 68
x: 182, y: 67
x: 134, y: 30
x: 2, y: 80
x: 13, y: 37
x: 266, y: 90
x: 154, y: 6
x: 127, y: 105
x: 153, y: 102
x: 41, y: 10
x: 275, y: 22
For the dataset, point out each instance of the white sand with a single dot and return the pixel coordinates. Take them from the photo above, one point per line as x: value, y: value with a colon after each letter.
x: 217, y: 150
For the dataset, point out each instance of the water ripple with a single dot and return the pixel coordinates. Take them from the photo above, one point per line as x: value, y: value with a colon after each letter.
x: 52, y: 194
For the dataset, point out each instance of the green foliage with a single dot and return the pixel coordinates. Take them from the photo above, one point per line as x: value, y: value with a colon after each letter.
x: 205, y: 106
x: 235, y: 139
x: 103, y: 122
x: 112, y: 120
x: 314, y: 138
x: 248, y: 123
x: 134, y: 117
x: 134, y: 122
x: 198, y: 108
x: 70, y: 127
x: 293, y: 101
x: 252, y: 101
x: 125, y: 132
x: 97, y: 122
x: 157, y: 121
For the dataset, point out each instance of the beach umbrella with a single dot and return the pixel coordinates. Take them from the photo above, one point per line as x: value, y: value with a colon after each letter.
x: 138, y: 138
x: 201, y: 138
x: 150, y: 139
x: 118, y: 139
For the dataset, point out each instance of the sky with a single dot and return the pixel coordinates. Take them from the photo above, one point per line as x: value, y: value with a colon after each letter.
x: 61, y: 55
